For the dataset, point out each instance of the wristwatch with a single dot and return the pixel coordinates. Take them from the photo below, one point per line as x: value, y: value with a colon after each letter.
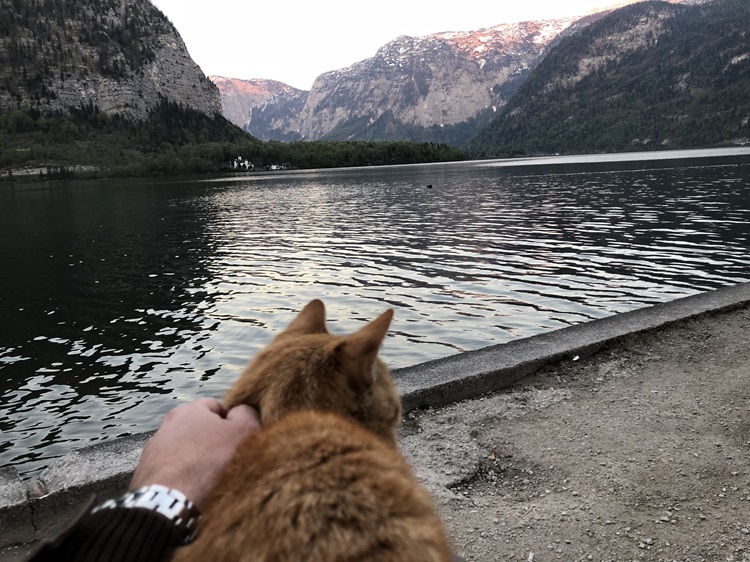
x: 168, y: 502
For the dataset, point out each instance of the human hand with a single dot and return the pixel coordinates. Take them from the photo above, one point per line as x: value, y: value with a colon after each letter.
x: 191, y: 447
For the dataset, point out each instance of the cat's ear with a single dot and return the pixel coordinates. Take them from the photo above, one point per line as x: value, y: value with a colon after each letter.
x: 358, y: 352
x: 310, y: 320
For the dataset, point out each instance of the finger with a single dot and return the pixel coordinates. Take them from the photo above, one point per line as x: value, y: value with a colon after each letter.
x: 244, y: 415
x: 213, y: 405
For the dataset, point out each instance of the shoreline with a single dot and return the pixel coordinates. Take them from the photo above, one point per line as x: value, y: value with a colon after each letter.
x: 32, y: 510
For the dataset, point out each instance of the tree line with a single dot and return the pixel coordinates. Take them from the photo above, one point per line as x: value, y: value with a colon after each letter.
x: 177, y: 140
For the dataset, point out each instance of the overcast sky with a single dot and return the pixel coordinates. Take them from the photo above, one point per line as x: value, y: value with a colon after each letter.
x: 295, y: 41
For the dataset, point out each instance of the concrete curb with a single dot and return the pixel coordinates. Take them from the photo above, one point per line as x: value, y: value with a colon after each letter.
x: 15, y: 514
x: 38, y: 509
x: 35, y: 510
x: 466, y: 375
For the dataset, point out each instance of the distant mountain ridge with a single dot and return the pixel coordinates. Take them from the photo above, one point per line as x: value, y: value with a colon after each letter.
x: 238, y: 96
x: 442, y: 87
x: 423, y: 82
x: 651, y: 74
x: 123, y: 57
x: 412, y: 88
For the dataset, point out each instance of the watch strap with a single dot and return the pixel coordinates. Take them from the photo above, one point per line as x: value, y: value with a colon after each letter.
x: 168, y: 502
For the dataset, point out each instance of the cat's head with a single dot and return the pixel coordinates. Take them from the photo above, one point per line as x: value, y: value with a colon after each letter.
x: 306, y: 367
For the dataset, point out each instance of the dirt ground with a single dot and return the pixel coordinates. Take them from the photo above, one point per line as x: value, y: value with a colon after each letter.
x: 639, y: 452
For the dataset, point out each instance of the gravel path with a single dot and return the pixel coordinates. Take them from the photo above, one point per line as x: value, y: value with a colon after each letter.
x: 639, y: 452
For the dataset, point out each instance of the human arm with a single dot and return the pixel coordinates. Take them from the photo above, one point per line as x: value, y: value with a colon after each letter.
x: 187, y: 453
x: 192, y: 446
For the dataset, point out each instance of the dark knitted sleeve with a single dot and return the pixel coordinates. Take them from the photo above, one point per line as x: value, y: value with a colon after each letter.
x: 117, y: 535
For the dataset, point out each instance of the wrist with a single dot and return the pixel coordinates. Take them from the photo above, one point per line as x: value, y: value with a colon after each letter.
x: 168, y: 502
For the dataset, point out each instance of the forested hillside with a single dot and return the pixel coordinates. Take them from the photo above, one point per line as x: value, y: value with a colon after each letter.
x: 173, y: 140
x: 651, y: 75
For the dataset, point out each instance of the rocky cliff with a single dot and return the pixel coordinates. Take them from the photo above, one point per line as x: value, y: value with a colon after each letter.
x: 239, y: 97
x: 439, y: 80
x: 122, y: 56
x: 441, y: 87
x: 414, y: 86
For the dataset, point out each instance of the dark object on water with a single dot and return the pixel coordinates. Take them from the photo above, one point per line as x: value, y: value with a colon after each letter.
x: 429, y: 186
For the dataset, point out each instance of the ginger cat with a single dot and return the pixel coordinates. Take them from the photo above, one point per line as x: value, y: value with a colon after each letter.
x: 324, y: 480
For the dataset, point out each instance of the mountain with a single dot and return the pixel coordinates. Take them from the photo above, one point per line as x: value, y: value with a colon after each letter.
x: 123, y: 57
x: 240, y: 97
x: 107, y: 89
x: 264, y: 108
x: 414, y: 88
x: 278, y: 118
x: 440, y: 88
x: 650, y: 75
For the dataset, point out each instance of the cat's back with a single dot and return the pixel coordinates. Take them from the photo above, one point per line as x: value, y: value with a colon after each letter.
x: 315, y: 486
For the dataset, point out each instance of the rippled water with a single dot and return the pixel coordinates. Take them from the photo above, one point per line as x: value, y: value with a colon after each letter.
x: 118, y: 299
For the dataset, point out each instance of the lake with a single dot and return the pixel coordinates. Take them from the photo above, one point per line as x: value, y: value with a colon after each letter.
x: 120, y: 299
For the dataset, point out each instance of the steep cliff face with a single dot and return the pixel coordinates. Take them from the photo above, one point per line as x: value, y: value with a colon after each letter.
x: 436, y: 80
x: 278, y: 117
x: 122, y: 56
x: 240, y: 97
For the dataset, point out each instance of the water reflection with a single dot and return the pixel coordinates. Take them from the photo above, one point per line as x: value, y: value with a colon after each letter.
x: 124, y: 298
x: 104, y: 292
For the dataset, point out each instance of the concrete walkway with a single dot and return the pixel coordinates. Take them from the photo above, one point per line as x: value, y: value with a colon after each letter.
x: 457, y: 448
x: 640, y: 451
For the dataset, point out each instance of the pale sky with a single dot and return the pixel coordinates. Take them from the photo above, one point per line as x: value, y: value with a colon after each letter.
x: 294, y: 41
